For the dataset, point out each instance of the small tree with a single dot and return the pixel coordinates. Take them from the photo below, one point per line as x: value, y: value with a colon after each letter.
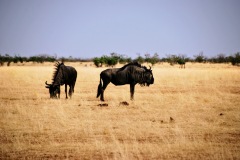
x: 124, y: 59
x: 151, y: 59
x: 110, y: 61
x: 200, y: 58
x: 235, y: 59
x: 181, y: 60
x: 172, y: 59
x: 96, y: 61
x: 1, y: 60
x: 107, y: 60
x: 221, y: 58
x: 154, y: 59
x: 147, y: 57
x: 139, y: 59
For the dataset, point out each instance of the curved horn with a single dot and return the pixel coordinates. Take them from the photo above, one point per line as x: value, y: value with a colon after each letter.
x: 150, y: 67
x: 47, y: 83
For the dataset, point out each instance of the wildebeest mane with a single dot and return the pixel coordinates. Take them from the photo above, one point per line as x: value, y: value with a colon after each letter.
x: 55, y: 73
x: 129, y: 64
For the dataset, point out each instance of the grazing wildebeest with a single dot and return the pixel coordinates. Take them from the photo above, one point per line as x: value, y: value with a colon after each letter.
x: 63, y: 75
x: 131, y: 73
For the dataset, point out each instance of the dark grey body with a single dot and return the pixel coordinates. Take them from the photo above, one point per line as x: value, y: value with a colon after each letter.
x: 63, y: 75
x: 132, y: 73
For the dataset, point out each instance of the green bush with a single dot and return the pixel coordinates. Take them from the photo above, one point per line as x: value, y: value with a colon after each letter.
x: 140, y: 59
x: 107, y: 60
x: 98, y: 62
x: 235, y: 59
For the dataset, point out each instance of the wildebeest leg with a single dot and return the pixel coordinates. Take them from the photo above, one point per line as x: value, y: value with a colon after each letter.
x: 105, y: 84
x: 99, y: 90
x: 132, y: 87
x: 70, y: 91
x: 59, y: 93
x: 73, y: 87
x: 66, y: 91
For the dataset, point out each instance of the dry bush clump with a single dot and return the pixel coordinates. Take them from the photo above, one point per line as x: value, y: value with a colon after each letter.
x: 190, y: 113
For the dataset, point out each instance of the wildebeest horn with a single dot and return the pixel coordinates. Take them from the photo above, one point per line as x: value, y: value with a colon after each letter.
x: 47, y: 83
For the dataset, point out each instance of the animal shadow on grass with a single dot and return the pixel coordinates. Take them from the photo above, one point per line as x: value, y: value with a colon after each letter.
x: 124, y: 103
x: 103, y: 105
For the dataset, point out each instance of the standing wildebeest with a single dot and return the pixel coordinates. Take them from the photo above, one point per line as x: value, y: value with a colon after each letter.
x: 63, y: 75
x: 131, y: 73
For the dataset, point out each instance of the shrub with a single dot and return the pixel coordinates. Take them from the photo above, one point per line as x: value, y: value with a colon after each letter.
x: 235, y: 59
x: 97, y: 62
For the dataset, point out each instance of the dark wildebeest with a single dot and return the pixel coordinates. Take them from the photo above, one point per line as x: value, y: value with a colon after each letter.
x: 131, y: 73
x: 63, y: 75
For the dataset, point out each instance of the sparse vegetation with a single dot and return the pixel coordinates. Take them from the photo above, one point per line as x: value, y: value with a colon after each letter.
x: 111, y: 60
x: 38, y: 59
x: 115, y: 58
x: 152, y: 59
x: 123, y: 59
x: 185, y: 114
x: 200, y: 58
x: 235, y: 59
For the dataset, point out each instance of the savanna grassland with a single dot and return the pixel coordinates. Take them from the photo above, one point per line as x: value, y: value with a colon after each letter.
x: 191, y: 113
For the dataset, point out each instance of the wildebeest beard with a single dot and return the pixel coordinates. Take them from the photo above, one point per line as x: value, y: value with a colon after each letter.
x: 143, y: 79
x: 139, y: 76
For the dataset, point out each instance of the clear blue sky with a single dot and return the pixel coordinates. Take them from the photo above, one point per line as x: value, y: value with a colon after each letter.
x: 90, y: 28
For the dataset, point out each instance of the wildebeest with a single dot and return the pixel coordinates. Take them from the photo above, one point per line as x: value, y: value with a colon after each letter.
x: 63, y: 75
x: 131, y: 73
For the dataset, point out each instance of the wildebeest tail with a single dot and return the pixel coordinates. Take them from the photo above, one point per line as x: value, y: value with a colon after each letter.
x: 99, y: 88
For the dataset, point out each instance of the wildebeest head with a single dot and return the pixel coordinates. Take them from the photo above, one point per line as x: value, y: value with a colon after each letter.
x: 53, y: 90
x: 148, y: 76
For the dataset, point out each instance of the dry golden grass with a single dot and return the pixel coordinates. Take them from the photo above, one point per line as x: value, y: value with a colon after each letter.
x: 203, y: 101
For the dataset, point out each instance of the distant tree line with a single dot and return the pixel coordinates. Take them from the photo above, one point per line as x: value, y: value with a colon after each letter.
x: 220, y: 58
x: 172, y: 59
x: 38, y: 59
x: 114, y: 58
